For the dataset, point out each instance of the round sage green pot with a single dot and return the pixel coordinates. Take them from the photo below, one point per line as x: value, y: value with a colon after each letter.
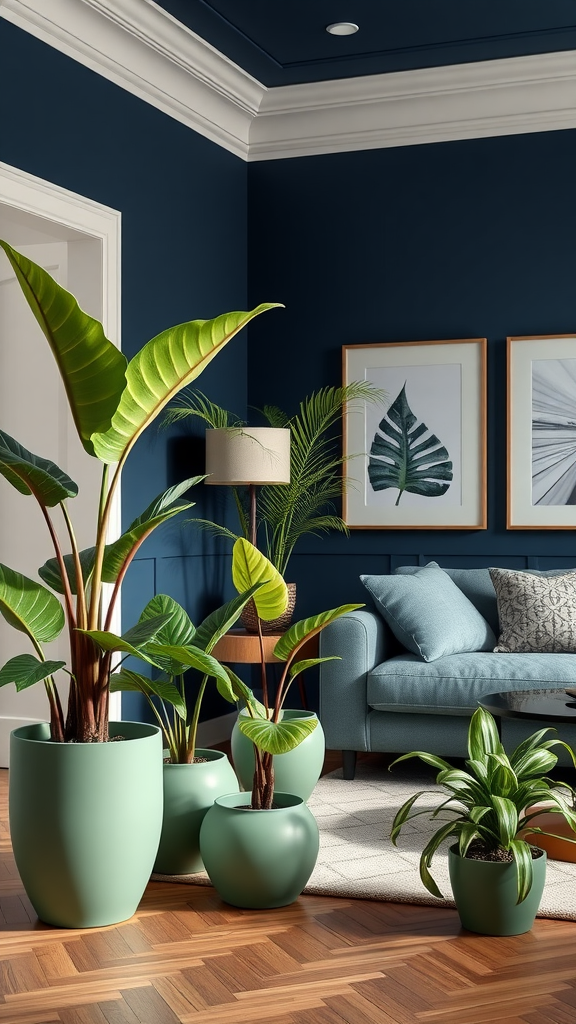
x: 296, y: 771
x: 189, y: 790
x: 486, y: 892
x: 259, y: 859
x: 85, y: 821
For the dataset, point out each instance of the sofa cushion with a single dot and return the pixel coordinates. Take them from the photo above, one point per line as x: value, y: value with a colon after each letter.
x: 454, y: 684
x: 475, y: 584
x: 429, y: 614
x: 478, y: 587
x: 537, y: 613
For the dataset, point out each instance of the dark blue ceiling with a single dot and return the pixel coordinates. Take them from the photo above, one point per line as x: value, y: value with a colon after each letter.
x: 281, y: 42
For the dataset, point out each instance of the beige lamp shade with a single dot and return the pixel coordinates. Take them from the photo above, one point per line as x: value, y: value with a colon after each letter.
x: 248, y: 455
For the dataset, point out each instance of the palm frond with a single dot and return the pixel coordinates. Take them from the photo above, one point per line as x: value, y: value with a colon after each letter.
x: 196, y: 404
x: 305, y: 504
x: 274, y: 416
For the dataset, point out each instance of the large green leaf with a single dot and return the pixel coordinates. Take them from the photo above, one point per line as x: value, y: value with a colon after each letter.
x: 250, y: 567
x: 164, y: 507
x: 398, y: 458
x: 126, y: 680
x: 29, y: 607
x: 24, y: 670
x: 50, y: 571
x: 31, y: 474
x: 276, y: 737
x: 221, y: 620
x: 241, y: 692
x: 178, y: 627
x: 177, y: 630
x: 300, y: 631
x: 160, y: 370
x: 301, y: 666
x: 191, y: 657
x: 133, y: 641
x: 92, y: 368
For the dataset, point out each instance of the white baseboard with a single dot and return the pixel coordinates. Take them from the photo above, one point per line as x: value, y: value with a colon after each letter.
x: 216, y: 730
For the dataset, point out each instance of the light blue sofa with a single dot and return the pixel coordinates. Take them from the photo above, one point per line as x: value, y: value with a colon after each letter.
x: 380, y: 697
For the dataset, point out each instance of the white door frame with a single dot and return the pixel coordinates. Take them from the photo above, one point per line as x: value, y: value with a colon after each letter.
x: 41, y: 198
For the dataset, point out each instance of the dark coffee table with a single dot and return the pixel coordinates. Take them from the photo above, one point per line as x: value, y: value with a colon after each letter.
x: 547, y: 705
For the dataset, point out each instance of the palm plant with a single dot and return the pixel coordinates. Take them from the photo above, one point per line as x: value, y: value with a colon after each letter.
x: 112, y: 402
x: 489, y: 806
x: 288, y: 512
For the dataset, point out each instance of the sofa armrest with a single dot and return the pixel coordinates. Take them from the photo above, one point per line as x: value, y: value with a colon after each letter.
x: 362, y: 640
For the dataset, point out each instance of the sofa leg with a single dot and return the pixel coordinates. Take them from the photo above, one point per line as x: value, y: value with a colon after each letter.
x: 349, y: 763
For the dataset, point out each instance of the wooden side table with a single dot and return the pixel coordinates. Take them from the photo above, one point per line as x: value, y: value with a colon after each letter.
x: 238, y: 647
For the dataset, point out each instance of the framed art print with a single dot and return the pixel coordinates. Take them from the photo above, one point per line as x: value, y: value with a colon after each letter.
x: 417, y: 460
x: 542, y: 433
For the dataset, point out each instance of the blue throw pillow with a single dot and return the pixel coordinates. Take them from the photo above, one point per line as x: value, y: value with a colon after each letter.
x: 429, y: 614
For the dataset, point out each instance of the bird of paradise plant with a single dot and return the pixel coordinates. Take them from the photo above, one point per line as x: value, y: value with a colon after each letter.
x: 112, y: 402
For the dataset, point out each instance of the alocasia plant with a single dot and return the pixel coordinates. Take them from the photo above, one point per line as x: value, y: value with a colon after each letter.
x: 402, y: 456
x: 112, y: 402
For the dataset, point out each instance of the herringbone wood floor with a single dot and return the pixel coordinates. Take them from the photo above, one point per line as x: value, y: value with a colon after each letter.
x: 188, y: 957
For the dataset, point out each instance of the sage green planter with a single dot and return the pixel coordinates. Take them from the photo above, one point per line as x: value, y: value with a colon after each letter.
x: 85, y: 821
x: 259, y: 859
x: 485, y: 893
x: 296, y: 771
x: 189, y: 790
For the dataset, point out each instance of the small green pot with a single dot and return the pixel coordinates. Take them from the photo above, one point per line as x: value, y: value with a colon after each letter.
x: 485, y: 893
x: 85, y: 822
x: 259, y: 859
x: 189, y: 790
x: 296, y: 772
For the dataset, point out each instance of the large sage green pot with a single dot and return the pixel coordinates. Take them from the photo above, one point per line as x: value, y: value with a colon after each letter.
x: 259, y: 859
x: 85, y: 821
x: 296, y: 771
x: 189, y: 790
x: 486, y: 892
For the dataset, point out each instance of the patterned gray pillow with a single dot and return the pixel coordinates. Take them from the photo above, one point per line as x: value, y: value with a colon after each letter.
x: 537, y: 613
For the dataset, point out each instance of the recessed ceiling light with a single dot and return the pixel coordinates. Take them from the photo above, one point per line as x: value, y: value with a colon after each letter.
x: 342, y: 28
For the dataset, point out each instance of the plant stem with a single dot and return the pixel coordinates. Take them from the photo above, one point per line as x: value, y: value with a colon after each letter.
x: 104, y: 507
x: 263, y: 675
x: 80, y: 592
x: 193, y: 728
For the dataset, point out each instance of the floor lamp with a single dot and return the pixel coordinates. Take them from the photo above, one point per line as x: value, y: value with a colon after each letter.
x: 248, y: 457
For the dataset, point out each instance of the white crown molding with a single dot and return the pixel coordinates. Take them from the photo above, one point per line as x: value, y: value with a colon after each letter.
x: 407, y: 108
x: 140, y: 47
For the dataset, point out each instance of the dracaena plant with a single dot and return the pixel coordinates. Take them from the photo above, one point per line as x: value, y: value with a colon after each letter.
x: 490, y: 804
x: 112, y: 402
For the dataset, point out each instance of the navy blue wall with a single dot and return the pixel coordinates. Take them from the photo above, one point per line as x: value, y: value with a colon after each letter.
x: 183, y: 204
x: 456, y: 240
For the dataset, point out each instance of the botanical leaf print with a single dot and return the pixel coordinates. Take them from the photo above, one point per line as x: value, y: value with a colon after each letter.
x: 406, y: 455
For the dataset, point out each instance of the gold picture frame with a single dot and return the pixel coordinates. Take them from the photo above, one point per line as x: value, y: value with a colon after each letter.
x: 435, y: 412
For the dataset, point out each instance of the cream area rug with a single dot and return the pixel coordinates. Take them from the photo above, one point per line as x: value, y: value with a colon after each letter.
x: 358, y: 860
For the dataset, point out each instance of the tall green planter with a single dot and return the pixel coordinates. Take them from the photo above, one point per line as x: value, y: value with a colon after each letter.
x: 297, y: 771
x: 85, y: 821
x: 486, y: 892
x: 259, y: 859
x: 189, y: 790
